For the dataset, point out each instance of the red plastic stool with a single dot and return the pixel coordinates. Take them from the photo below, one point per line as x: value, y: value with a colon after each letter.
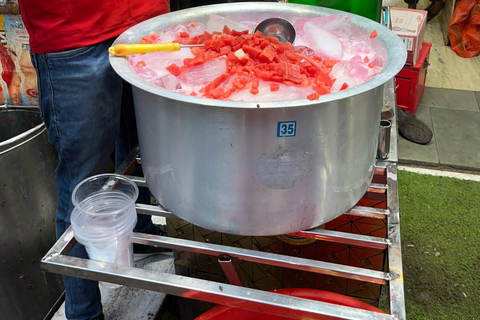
x: 231, y: 313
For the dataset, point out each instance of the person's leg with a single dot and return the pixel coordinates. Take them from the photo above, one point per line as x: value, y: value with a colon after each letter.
x: 434, y: 8
x: 412, y: 4
x: 80, y: 104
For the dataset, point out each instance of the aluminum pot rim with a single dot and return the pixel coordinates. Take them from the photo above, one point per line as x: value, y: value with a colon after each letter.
x: 394, y: 46
x: 24, y: 137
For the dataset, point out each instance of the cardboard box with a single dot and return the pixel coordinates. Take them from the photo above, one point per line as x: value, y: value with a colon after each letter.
x: 410, y: 26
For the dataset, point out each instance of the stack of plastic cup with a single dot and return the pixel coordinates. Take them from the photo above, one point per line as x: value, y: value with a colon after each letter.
x: 104, y: 217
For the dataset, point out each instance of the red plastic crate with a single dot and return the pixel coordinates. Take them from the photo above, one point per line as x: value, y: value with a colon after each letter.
x: 410, y: 81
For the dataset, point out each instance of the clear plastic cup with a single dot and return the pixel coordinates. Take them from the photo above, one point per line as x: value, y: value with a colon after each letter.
x: 104, y: 216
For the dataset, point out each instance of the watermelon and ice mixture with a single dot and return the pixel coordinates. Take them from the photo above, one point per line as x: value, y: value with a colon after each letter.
x: 328, y: 55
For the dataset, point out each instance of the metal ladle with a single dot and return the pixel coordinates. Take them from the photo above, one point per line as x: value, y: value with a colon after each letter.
x: 277, y: 27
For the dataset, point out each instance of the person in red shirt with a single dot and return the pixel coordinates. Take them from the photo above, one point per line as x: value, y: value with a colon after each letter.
x: 84, y: 105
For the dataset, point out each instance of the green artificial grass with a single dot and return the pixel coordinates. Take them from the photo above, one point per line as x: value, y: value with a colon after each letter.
x: 440, y: 228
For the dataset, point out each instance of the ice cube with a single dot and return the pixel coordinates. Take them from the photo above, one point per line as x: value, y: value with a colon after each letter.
x: 158, y: 61
x: 360, y: 45
x: 168, y: 81
x: 323, y: 42
x: 327, y: 22
x: 339, y: 25
x: 196, y: 29
x: 216, y: 23
x: 146, y: 73
x: 203, y: 74
x: 378, y: 60
x: 338, y: 84
x: 305, y: 50
x: 264, y: 94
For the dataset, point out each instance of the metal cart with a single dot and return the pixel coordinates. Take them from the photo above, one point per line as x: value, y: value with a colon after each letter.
x: 235, y: 294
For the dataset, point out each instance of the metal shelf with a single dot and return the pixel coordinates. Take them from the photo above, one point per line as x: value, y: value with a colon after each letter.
x: 57, y: 261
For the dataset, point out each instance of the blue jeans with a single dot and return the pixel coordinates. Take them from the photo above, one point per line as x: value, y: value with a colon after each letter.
x: 81, y: 102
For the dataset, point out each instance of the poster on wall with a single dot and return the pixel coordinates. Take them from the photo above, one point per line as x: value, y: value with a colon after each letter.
x: 7, y: 67
x: 18, y: 73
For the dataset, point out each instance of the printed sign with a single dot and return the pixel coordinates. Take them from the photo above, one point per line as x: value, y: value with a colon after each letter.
x: 287, y: 129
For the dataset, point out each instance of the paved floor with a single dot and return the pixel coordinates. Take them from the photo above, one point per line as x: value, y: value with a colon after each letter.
x: 454, y: 117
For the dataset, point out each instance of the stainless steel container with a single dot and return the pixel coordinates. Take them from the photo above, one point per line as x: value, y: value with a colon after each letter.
x: 262, y: 168
x: 27, y: 215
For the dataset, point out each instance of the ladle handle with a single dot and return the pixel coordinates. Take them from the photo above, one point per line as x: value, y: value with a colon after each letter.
x: 122, y: 50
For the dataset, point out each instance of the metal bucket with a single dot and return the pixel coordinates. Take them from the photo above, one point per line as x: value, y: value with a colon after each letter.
x: 27, y: 215
x: 264, y: 168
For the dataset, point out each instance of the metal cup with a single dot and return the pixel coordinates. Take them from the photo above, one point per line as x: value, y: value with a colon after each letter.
x: 384, y: 139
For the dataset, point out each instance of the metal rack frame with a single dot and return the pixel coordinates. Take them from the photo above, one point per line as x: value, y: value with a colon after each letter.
x: 233, y: 294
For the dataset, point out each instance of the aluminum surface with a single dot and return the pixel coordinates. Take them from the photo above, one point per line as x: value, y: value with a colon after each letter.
x: 384, y: 139
x: 27, y: 215
x: 389, y: 98
x: 226, y: 166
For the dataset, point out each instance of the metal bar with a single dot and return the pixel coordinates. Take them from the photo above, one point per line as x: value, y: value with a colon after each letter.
x: 368, y: 212
x: 389, y: 98
x: 232, y: 272
x: 154, y: 210
x: 64, y: 244
x: 265, y: 258
x: 129, y: 161
x: 140, y: 181
x: 377, y: 188
x: 345, y: 238
x: 359, y: 211
x: 55, y: 307
x: 214, y: 292
x: 395, y: 269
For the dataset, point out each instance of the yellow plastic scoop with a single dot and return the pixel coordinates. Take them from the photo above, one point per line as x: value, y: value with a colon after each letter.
x: 122, y: 50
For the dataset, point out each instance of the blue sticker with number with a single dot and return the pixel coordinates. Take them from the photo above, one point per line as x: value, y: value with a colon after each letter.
x: 287, y: 129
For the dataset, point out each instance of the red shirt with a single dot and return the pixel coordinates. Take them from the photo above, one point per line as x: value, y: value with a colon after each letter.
x: 57, y: 25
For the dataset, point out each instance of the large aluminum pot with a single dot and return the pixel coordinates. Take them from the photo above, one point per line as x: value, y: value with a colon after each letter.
x: 263, y: 168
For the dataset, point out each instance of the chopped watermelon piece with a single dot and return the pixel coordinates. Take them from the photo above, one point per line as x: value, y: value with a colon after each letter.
x: 255, y: 83
x: 153, y: 35
x: 140, y: 64
x: 313, y: 96
x: 329, y: 63
x: 174, y: 69
x: 267, y: 54
x: 183, y: 35
x: 274, y: 87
